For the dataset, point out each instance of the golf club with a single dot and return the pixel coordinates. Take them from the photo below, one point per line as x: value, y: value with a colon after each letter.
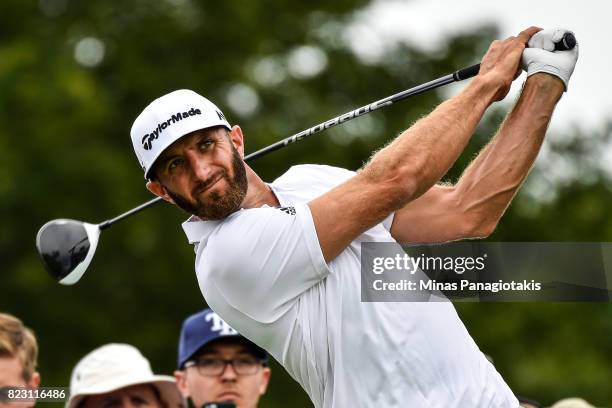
x: 66, y: 247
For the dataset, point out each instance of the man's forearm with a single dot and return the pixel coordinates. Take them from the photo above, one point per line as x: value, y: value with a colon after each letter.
x: 418, y: 158
x: 421, y: 155
x: 488, y: 185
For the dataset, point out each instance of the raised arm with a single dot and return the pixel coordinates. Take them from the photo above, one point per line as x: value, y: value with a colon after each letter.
x: 417, y: 158
x: 473, y: 207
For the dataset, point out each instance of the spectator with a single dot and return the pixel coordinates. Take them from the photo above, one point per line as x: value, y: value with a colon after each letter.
x: 572, y: 403
x: 18, y: 356
x: 217, y: 364
x: 118, y: 376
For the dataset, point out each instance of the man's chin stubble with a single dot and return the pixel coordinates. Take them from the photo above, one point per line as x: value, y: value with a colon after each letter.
x: 206, y: 212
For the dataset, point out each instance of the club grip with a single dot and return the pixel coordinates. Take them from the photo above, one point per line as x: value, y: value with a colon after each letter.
x: 466, y: 73
x: 568, y: 42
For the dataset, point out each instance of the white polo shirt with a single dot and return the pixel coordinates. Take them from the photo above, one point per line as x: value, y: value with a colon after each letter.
x: 263, y: 272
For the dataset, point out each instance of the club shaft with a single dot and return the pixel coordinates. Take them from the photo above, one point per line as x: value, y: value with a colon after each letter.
x: 355, y: 113
x: 107, y: 224
x: 419, y: 89
x: 567, y: 42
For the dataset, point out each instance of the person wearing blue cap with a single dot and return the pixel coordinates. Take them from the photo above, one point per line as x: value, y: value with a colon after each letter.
x: 216, y: 364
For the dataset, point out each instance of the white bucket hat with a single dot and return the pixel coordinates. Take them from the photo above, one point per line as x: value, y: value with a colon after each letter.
x: 167, y: 119
x: 572, y: 403
x: 115, y: 366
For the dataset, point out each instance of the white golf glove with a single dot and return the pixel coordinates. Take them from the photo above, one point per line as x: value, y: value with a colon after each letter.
x: 541, y: 57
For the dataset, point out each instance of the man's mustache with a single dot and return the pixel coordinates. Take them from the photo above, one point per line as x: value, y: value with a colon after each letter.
x: 204, y: 184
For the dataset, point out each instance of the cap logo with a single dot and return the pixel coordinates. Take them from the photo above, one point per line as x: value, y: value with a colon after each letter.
x: 219, y: 325
x: 147, y: 140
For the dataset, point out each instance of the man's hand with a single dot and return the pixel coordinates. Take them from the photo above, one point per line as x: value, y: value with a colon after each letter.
x: 501, y: 64
x: 541, y: 57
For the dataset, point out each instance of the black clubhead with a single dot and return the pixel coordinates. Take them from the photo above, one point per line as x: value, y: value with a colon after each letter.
x: 66, y: 248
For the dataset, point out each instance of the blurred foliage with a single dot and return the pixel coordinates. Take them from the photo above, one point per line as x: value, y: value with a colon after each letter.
x: 74, y: 75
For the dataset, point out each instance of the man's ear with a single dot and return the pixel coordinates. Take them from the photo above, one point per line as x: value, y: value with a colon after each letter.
x: 237, y: 139
x: 35, y: 380
x: 159, y: 190
x: 33, y: 383
x: 265, y: 379
x: 181, y: 382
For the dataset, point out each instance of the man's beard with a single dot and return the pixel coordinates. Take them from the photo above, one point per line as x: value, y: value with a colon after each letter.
x: 222, y: 206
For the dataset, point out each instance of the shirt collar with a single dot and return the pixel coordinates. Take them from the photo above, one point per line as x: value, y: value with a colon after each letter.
x: 197, y: 230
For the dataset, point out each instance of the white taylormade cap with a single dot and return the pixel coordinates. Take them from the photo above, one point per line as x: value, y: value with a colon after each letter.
x: 169, y: 118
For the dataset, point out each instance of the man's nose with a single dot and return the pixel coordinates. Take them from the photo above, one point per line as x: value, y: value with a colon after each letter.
x: 198, y: 166
x: 228, y: 373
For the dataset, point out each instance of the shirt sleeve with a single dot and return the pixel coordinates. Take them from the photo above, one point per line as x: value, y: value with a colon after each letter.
x: 324, y: 178
x: 388, y: 222
x: 260, y: 260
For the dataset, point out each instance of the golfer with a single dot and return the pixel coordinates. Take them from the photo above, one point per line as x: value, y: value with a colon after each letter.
x: 280, y: 262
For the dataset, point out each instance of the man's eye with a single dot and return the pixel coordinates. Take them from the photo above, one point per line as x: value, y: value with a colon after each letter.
x: 112, y: 403
x: 139, y: 401
x: 245, y: 362
x: 204, y: 144
x: 174, y: 164
x: 210, y: 362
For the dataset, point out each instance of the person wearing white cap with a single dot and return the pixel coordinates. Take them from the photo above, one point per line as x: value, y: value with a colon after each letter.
x: 281, y: 262
x: 572, y: 403
x: 119, y: 376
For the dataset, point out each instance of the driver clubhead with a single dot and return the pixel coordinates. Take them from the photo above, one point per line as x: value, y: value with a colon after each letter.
x: 66, y: 248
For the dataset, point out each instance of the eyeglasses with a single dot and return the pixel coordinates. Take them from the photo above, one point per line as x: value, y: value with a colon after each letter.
x: 213, y: 367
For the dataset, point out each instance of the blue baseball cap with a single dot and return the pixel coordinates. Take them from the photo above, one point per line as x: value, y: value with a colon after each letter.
x: 202, y: 328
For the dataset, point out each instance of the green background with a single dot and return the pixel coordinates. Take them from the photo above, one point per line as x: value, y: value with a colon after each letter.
x: 65, y: 153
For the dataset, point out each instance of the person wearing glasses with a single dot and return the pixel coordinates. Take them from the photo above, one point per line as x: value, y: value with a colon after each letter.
x: 216, y: 364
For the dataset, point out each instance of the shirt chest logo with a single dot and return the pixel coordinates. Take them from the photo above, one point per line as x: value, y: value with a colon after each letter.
x: 287, y: 210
